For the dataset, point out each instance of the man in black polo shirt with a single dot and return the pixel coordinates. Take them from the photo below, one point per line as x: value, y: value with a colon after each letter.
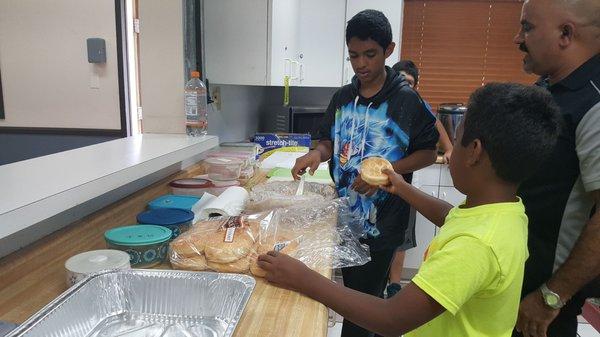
x: 561, y: 42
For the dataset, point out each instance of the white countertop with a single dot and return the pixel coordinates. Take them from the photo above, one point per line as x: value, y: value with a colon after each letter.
x: 36, y: 189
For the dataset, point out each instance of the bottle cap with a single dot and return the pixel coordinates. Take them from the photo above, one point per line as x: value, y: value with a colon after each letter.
x: 195, y: 74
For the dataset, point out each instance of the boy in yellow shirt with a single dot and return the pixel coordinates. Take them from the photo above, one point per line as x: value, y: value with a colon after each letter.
x: 470, y: 281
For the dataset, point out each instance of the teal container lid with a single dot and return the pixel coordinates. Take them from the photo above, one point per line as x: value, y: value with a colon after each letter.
x: 185, y: 202
x: 138, y: 235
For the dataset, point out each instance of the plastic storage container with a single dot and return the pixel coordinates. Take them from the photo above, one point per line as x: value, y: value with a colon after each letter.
x: 146, y: 245
x: 185, y: 202
x: 177, y: 220
x: 223, y: 169
x: 247, y: 158
x: 84, y: 264
x: 198, y: 186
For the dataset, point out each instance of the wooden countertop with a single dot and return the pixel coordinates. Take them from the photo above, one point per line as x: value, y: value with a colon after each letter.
x: 33, y: 276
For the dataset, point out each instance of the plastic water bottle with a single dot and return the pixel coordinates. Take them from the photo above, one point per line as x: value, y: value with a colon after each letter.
x: 196, y: 112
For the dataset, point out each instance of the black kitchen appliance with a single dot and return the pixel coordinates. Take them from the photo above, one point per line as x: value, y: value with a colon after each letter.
x: 292, y: 119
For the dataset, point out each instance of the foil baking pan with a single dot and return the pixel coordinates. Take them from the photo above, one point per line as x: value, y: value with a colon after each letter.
x: 148, y: 303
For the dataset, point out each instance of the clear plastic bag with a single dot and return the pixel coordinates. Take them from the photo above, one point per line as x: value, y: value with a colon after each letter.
x: 326, y: 232
x: 319, y: 234
x: 278, y: 194
x: 221, y: 244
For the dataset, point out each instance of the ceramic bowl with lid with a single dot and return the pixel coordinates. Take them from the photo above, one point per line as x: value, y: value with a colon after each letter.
x: 177, y: 220
x: 81, y: 265
x: 146, y: 245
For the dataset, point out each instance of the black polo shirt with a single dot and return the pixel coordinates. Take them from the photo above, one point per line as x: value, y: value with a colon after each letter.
x: 557, y: 198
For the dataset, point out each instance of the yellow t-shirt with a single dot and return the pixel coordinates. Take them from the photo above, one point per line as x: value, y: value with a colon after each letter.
x: 474, y: 269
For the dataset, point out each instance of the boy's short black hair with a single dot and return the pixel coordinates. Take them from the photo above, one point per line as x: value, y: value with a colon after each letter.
x: 518, y: 126
x: 370, y: 24
x: 408, y: 67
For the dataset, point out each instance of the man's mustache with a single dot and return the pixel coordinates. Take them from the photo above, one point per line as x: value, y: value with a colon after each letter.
x: 523, y: 48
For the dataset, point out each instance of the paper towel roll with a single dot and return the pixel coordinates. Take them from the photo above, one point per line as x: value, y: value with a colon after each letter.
x: 230, y: 203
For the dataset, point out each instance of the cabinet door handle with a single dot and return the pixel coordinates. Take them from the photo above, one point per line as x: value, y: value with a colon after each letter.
x: 287, y: 67
x: 295, y: 70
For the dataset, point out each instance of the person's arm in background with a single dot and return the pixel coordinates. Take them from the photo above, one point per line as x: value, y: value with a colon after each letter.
x: 422, y: 143
x: 583, y: 264
x: 445, y: 142
x: 415, y: 161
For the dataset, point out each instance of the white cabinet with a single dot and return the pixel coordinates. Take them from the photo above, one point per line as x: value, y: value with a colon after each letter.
x: 235, y: 44
x: 284, y: 41
x: 393, y: 10
x: 307, y: 42
x: 451, y: 195
x: 429, y: 175
x: 448, y: 192
x: 322, y: 42
x: 424, y: 232
x: 258, y: 42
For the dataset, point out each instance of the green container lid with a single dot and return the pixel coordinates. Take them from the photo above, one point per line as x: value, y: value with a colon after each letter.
x: 138, y: 235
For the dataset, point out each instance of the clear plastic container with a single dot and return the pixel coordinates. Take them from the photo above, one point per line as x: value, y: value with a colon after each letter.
x: 223, y: 169
x: 196, y: 106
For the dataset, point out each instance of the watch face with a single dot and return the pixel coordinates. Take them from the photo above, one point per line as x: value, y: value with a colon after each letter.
x: 551, y: 299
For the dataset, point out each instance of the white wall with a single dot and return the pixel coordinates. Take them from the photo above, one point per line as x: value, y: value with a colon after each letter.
x: 45, y: 73
x: 393, y: 10
x: 161, y: 66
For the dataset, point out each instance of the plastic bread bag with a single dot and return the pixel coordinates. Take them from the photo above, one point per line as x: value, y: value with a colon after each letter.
x: 322, y: 235
x: 278, y: 194
x: 221, y: 244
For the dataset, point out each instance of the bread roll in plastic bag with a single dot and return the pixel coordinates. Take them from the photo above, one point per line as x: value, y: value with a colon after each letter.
x: 220, y: 244
x: 319, y: 234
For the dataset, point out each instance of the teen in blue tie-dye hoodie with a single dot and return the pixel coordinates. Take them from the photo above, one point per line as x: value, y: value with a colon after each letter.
x: 378, y: 114
x: 393, y: 124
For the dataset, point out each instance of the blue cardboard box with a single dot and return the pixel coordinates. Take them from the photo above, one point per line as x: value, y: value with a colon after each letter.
x: 288, y: 142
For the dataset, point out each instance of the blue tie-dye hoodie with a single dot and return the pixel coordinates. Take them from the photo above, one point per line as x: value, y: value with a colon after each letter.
x: 392, y: 124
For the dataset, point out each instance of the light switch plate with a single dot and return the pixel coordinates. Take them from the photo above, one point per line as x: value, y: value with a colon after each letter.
x: 96, y: 49
x: 216, y: 96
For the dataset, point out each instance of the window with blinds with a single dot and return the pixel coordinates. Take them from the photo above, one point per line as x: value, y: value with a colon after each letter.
x: 460, y: 45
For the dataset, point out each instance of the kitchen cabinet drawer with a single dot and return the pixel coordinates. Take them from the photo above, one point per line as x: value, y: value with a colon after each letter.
x: 451, y: 195
x: 424, y: 233
x: 445, y: 177
x: 429, y: 175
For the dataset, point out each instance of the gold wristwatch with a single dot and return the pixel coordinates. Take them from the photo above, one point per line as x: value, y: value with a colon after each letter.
x: 551, y: 298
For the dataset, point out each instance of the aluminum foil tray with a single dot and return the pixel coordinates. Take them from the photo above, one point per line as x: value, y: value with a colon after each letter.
x: 145, y: 303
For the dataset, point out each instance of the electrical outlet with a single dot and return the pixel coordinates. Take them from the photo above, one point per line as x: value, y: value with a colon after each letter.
x: 216, y: 96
